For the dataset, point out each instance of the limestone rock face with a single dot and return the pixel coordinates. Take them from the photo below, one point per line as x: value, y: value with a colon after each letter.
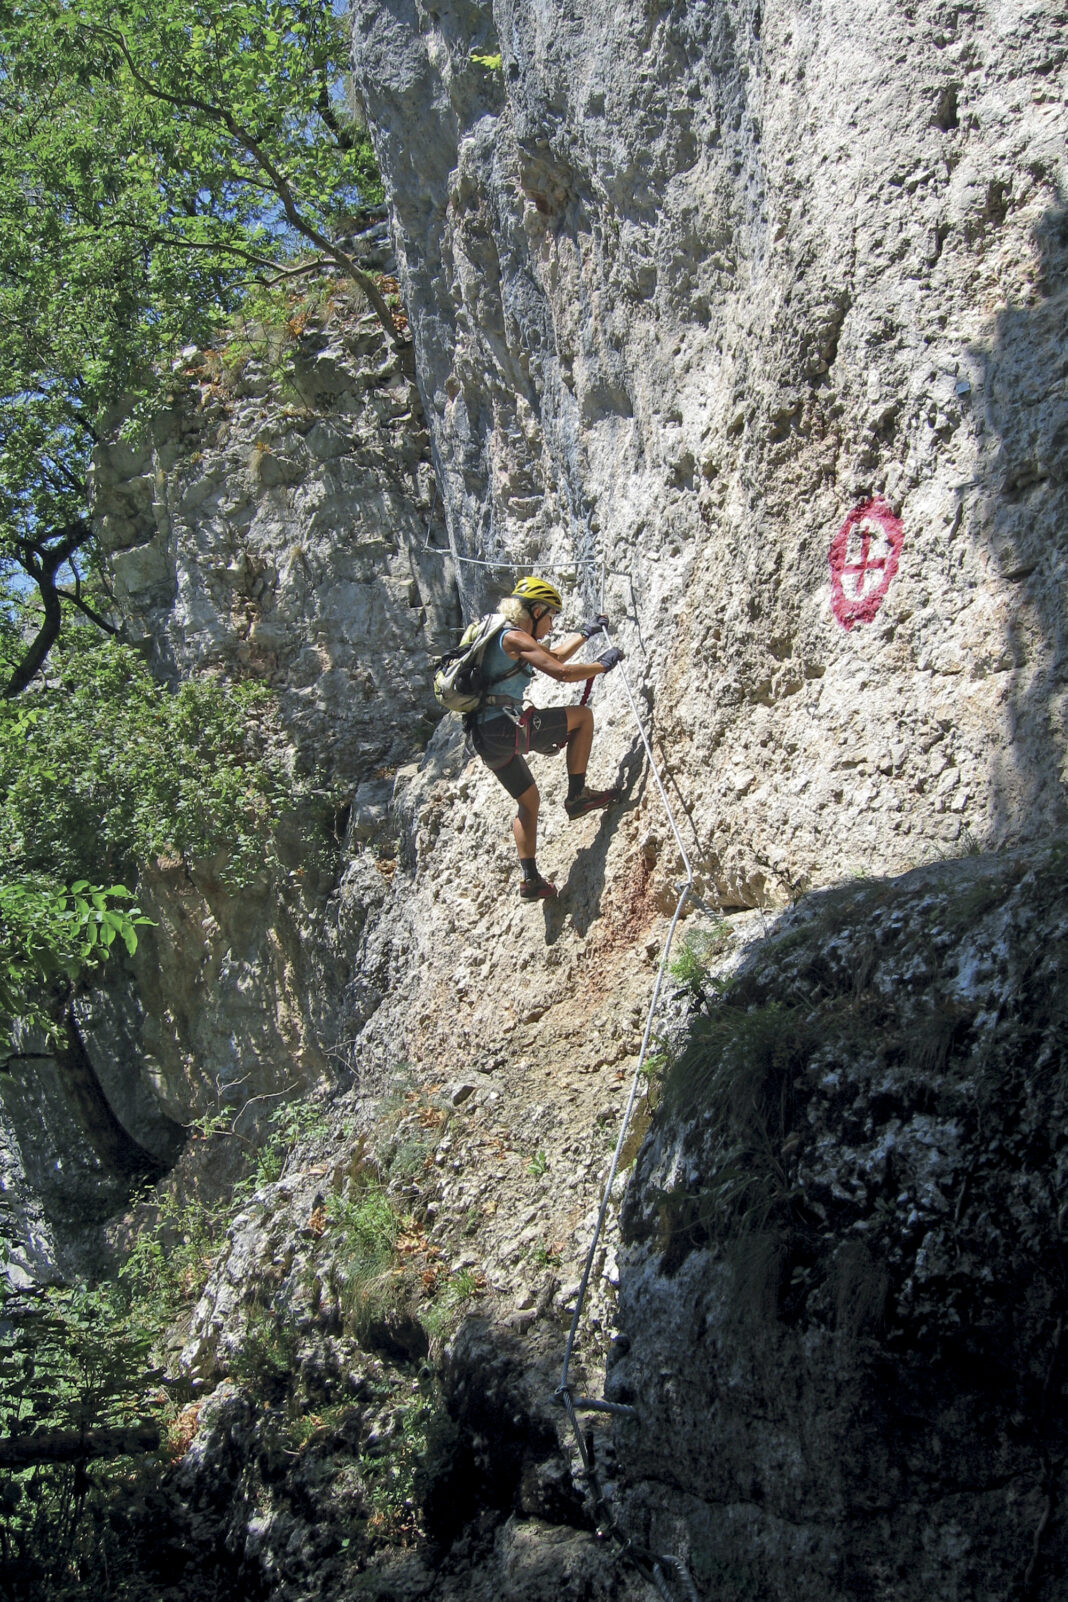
x: 28, y: 1242
x: 711, y: 295
x: 842, y: 1296
x: 282, y: 541
x: 835, y: 1302
x: 762, y: 307
x: 271, y: 528
x: 746, y: 321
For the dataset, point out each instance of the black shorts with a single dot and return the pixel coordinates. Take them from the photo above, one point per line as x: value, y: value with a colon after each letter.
x: 502, y: 744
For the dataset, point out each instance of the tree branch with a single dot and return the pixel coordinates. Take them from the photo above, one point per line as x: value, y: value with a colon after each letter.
x: 67, y: 477
x: 83, y: 606
x: 176, y: 242
x: 279, y: 183
x: 279, y: 274
x: 343, y: 137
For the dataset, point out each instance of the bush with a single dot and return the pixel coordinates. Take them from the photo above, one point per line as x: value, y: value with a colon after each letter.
x: 107, y: 769
x: 700, y: 948
x: 169, y: 1261
x: 368, y: 1229
x: 101, y: 770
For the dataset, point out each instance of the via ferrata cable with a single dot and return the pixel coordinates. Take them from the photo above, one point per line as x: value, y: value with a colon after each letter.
x: 651, y: 1565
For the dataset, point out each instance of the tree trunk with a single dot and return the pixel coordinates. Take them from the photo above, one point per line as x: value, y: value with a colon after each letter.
x: 74, y: 1446
x: 41, y: 644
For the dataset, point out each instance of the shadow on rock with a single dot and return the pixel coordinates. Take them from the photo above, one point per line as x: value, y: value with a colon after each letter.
x: 580, y: 900
x: 843, y: 1278
x: 505, y: 1455
x: 1021, y: 518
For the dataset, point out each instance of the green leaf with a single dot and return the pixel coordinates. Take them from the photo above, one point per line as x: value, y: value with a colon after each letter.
x: 140, y: 206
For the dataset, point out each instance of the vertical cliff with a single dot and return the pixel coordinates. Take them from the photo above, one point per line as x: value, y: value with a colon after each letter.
x: 748, y: 318
x: 751, y: 315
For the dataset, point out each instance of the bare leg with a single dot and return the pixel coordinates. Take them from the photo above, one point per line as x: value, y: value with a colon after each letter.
x: 580, y: 798
x: 579, y: 738
x: 525, y: 823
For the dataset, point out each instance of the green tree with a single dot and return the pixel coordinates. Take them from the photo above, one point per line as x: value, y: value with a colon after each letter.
x: 156, y: 161
x: 101, y: 769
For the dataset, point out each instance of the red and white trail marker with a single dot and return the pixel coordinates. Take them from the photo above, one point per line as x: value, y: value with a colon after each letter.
x: 863, y: 559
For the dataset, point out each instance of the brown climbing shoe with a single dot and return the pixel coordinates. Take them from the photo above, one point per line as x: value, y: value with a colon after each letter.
x: 591, y: 801
x: 538, y: 889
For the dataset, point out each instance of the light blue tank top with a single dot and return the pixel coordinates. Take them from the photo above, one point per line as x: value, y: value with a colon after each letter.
x: 503, y: 675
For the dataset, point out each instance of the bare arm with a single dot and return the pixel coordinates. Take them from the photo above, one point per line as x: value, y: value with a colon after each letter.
x: 554, y: 664
x: 567, y: 647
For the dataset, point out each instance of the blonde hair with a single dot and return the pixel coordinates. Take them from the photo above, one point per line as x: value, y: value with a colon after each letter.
x: 516, y: 612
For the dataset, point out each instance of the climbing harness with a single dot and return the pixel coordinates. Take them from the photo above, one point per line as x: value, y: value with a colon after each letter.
x: 651, y: 1565
x: 527, y: 723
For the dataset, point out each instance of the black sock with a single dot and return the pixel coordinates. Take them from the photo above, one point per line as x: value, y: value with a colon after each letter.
x: 530, y: 870
x: 575, y: 782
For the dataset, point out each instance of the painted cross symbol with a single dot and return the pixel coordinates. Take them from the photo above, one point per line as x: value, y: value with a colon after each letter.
x: 872, y: 521
x: 867, y: 564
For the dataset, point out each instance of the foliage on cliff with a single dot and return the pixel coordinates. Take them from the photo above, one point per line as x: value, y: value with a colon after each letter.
x: 102, y: 768
x: 74, y: 1387
x: 155, y: 162
x: 325, y: 1380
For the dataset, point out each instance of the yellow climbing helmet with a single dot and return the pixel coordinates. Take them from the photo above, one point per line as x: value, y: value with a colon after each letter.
x: 536, y: 590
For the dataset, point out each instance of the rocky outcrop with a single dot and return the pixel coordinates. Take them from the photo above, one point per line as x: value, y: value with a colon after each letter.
x: 28, y: 1243
x: 842, y: 1286
x: 269, y: 525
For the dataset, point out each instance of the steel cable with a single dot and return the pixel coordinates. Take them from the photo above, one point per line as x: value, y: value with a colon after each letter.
x: 654, y: 1568
x: 651, y: 1566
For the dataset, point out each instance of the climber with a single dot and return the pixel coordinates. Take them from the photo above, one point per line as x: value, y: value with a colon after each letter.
x: 502, y: 732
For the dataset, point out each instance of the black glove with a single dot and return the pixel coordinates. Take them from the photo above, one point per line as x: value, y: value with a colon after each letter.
x: 610, y: 658
x: 593, y: 625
